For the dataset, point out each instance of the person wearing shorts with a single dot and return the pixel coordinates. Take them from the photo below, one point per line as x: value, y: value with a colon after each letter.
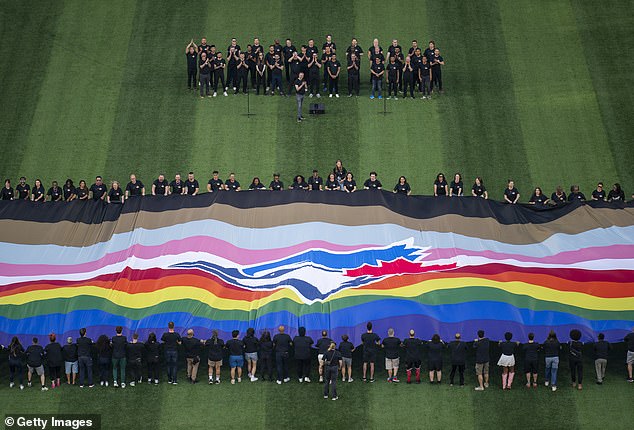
x: 413, y: 347
x: 629, y: 358
x: 215, y: 347
x: 323, y: 343
x: 434, y: 350
x: 391, y: 345
x: 370, y: 341
x: 34, y: 362
x: 236, y: 356
x: 71, y: 365
x: 507, y: 360
x: 481, y: 346
x: 251, y: 346
x: 531, y: 357
x: 346, y: 348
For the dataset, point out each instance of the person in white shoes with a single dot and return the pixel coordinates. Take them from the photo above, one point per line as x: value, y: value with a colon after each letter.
x: 251, y: 347
x: 346, y: 348
x: 333, y: 67
x: 322, y: 346
x: 302, y: 345
x: 236, y: 359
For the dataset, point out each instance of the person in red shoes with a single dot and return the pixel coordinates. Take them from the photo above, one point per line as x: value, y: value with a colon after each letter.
x: 413, y: 347
x: 507, y: 360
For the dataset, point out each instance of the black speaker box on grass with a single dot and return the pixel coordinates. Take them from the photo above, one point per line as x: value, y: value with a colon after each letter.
x: 317, y: 108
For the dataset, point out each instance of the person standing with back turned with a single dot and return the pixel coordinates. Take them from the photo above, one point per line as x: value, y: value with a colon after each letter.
x: 332, y: 363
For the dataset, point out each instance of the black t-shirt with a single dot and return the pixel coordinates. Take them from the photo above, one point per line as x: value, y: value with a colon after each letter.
x: 551, y: 348
x: 374, y: 54
x: 34, y: 355
x: 413, y: 348
x: 192, y: 186
x: 84, y: 346
x: 23, y: 191
x: 98, y: 191
x: 171, y: 340
x: 69, y: 352
x: 531, y: 351
x: 576, y: 196
x: 539, y: 200
x: 276, y: 185
x: 377, y: 68
x: 315, y: 183
x: 152, y: 349
x: 177, y: 187
x: 429, y: 53
x: 456, y: 188
x: 478, y: 190
x: 629, y: 340
x: 251, y: 344
x: 615, y: 196
x: 216, y: 184
x: 160, y: 187
x: 322, y: 344
x: 235, y: 347
x: 332, y: 358
x: 435, y: 62
x: 369, y: 341
x: 55, y: 193
x: 299, y: 185
x: 354, y: 50
x: 302, y: 347
x: 435, y: 351
x: 601, y: 349
x: 215, y: 346
x: 135, y: 351
x: 232, y: 186
x: 332, y: 185
x: 373, y: 185
x: 511, y: 194
x: 38, y: 192
x: 392, y: 71
x: 558, y: 199
x: 575, y: 350
x: 424, y: 69
x: 295, y: 66
x: 282, y: 342
x: 7, y: 193
x: 81, y: 193
x: 458, y: 350
x: 266, y: 348
x: 53, y: 353
x: 352, y: 71
x: 333, y: 66
x: 191, y: 60
x: 115, y: 195
x: 192, y: 347
x: 118, y: 346
x: 349, y: 184
x: 402, y: 188
x: 481, y: 350
x: 288, y: 52
x: 598, y: 195
x: 219, y: 65
x: 417, y: 62
x: 134, y: 189
x: 507, y: 347
x: 258, y: 186
x: 345, y: 348
x: 69, y: 191
x: 276, y: 70
x: 440, y: 187
x: 302, y: 90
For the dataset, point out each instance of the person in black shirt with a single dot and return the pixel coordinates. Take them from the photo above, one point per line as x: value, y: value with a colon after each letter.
x: 84, y: 356
x: 192, y: 58
x: 35, y: 363
x: 559, y: 196
x: 119, y: 344
x: 38, y: 192
x: 276, y: 75
x: 54, y: 360
x: 332, y: 184
x: 481, y: 346
x: 551, y: 352
x: 215, y: 183
x: 601, y: 350
x: 441, y: 188
x: 458, y: 351
x: 616, y: 194
x: 215, y: 352
x: 408, y: 77
x: 370, y: 342
x: 340, y: 172
x: 349, y: 184
x: 402, y: 187
x: 260, y: 74
x: 7, y: 190
x: 71, y: 366
x: 375, y: 51
x: 134, y: 188
x: 251, y: 346
x: 332, y: 361
x: 511, y: 194
x: 191, y: 185
x: 575, y: 355
x: 299, y: 183
x: 303, y: 344
x: 294, y: 64
x: 354, y: 48
x: 16, y: 367
x: 282, y: 343
x: 322, y: 346
x: 233, y: 57
x: 256, y: 184
x: 104, y: 354
x: 70, y: 192
x: 434, y: 349
x: 232, y: 184
x: 276, y: 184
x: 413, y: 347
x: 242, y: 72
x: 236, y: 359
x: 193, y: 347
x: 392, y: 78
x: 115, y: 195
x: 346, y: 348
x: 531, y: 360
x: 134, y: 351
x: 265, y: 355
x: 177, y: 187
x: 507, y: 360
x: 429, y: 51
x: 203, y: 47
x: 599, y: 193
x: 160, y: 186
x: 206, y: 65
x: 424, y: 77
x: 55, y: 192
x: 436, y: 72
x: 456, y: 186
x: 333, y: 67
x: 152, y: 353
x: 82, y: 191
x: 354, y: 64
x: 416, y: 58
x: 377, y: 70
x: 288, y: 52
x: 314, y: 64
x: 400, y: 61
x: 171, y: 340
x: 629, y: 358
x: 251, y: 60
x: 98, y: 190
x: 538, y: 198
x: 23, y: 189
x: 372, y: 183
x: 315, y: 182
x: 300, y: 91
x: 575, y: 194
x: 219, y: 65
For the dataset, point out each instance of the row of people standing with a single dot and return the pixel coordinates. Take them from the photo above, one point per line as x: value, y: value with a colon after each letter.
x: 417, y: 70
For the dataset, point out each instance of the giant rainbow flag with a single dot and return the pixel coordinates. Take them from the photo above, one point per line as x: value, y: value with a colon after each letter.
x: 321, y: 260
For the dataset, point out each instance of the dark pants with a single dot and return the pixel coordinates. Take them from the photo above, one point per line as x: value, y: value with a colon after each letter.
x: 242, y: 79
x: 232, y: 75
x: 353, y: 84
x: 260, y: 81
x: 400, y: 78
x: 118, y: 364
x: 408, y: 83
x: 85, y: 370
x: 134, y: 368
x: 153, y: 370
x: 303, y: 367
x: 104, y: 368
x: 287, y: 68
x: 576, y: 371
x: 16, y: 368
x: 265, y: 364
x: 54, y: 372
x: 291, y: 83
x: 392, y: 87
x: 281, y: 362
x: 205, y: 83
x: 171, y: 358
x: 219, y: 76
x: 330, y: 380
x: 313, y: 83
x: 426, y: 86
x: 333, y: 85
x: 191, y: 78
x: 460, y: 368
x: 436, y: 77
x: 252, y: 73
x: 276, y: 83
x: 300, y: 103
x: 376, y: 86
